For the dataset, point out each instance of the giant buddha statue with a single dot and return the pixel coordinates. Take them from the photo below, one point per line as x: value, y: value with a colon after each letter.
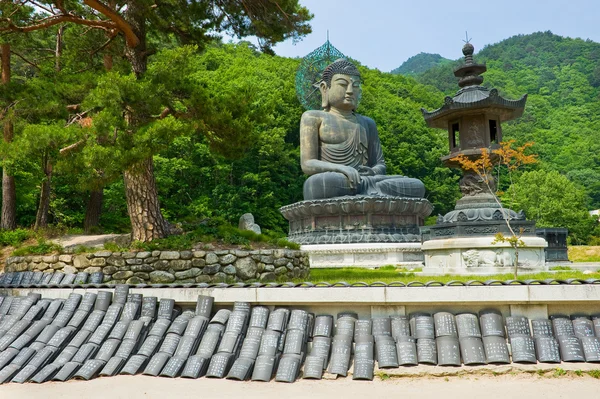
x: 340, y: 149
x: 348, y: 198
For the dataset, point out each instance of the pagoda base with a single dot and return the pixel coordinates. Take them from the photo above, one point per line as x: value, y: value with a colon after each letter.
x: 364, y: 255
x: 477, y: 255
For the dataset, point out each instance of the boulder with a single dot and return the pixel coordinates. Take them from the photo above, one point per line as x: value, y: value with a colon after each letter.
x: 247, y: 223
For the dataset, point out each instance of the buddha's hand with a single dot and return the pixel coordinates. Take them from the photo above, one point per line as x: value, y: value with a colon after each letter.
x: 365, y: 171
x: 352, y: 175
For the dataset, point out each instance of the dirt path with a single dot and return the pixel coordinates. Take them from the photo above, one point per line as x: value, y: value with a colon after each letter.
x: 488, y: 387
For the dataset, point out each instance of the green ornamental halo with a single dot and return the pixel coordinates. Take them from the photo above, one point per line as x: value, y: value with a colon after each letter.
x: 308, y: 75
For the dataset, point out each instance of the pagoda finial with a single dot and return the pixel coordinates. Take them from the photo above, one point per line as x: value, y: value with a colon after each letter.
x: 470, y: 72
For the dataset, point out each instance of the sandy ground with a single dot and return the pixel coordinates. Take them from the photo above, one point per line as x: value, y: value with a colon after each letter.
x: 488, y: 387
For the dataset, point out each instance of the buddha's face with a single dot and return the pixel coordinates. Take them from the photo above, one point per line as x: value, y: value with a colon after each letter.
x: 344, y: 92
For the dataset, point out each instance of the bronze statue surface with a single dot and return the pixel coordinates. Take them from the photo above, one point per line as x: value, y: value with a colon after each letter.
x: 340, y: 149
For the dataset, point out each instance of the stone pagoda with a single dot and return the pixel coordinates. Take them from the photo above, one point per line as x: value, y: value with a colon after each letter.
x: 461, y: 240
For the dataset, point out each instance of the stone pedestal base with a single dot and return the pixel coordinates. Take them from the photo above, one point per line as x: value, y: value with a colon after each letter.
x: 359, y: 219
x: 477, y: 255
x: 364, y: 255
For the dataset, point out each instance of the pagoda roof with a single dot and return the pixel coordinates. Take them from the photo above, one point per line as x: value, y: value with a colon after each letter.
x: 474, y: 98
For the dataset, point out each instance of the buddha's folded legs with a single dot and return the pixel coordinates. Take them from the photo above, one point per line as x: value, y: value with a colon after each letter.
x: 333, y: 184
x: 327, y: 185
x: 400, y: 186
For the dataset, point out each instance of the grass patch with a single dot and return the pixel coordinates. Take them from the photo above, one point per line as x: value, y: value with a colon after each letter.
x: 559, y: 372
x: 584, y: 253
x: 594, y: 373
x: 222, y: 234
x: 14, y: 238
x: 387, y: 275
x: 42, y: 247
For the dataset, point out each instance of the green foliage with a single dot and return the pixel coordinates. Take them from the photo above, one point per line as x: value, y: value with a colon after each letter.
x: 14, y: 238
x: 42, y: 247
x: 552, y: 200
x: 420, y: 63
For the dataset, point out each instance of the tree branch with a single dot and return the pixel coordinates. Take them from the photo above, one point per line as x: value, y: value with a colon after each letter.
x: 24, y: 59
x: 55, y: 20
x: 119, y: 21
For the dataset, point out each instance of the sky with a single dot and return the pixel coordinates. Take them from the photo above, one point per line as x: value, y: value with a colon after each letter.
x: 383, y: 34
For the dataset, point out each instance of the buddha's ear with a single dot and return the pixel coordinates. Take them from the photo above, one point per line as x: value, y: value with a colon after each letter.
x: 324, y: 95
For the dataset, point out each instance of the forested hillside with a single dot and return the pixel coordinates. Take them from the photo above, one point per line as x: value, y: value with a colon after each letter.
x: 223, y: 126
x: 420, y: 63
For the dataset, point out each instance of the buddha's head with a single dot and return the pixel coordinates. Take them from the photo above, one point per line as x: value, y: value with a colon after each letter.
x: 340, y: 86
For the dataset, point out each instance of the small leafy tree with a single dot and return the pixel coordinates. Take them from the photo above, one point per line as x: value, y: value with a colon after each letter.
x: 489, y: 165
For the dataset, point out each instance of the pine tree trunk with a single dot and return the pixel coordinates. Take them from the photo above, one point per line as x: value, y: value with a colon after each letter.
x: 147, y: 222
x: 41, y: 219
x: 8, y: 219
x: 93, y: 211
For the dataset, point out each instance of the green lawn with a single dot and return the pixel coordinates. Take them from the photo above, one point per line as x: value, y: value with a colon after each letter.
x: 390, y: 274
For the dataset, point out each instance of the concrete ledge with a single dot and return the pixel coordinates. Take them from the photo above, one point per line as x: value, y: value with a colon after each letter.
x: 392, y: 296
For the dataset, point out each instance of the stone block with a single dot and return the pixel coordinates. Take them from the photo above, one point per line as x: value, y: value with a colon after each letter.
x: 150, y: 260
x: 227, y: 259
x: 185, y: 255
x: 59, y: 265
x: 269, y: 268
x: 36, y: 259
x: 92, y: 269
x: 240, y: 253
x: 142, y: 268
x: 161, y: 277
x: 211, y: 269
x: 170, y: 255
x: 211, y: 258
x: 64, y: 258
x: 109, y: 270
x: 161, y: 265
x: 219, y: 278
x: 189, y: 273
x: 199, y: 254
x: 281, y: 262
x: 142, y: 275
x: 134, y: 261
x: 290, y: 266
x: 246, y: 268
x: 115, y: 261
x: 156, y: 254
x: 135, y: 280
x: 180, y: 264
x: 268, y: 277
x: 102, y: 254
x: 229, y: 269
x: 41, y: 266
x: 260, y: 267
x: 221, y: 252
x: 69, y: 269
x: 98, y: 262
x: 21, y: 267
x: 280, y: 271
x: 128, y: 255
x: 143, y: 255
x: 197, y: 262
x: 122, y: 275
x: 203, y: 278
x: 50, y: 258
x: 267, y: 259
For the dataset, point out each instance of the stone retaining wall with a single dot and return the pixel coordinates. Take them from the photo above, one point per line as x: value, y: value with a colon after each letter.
x: 160, y: 267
